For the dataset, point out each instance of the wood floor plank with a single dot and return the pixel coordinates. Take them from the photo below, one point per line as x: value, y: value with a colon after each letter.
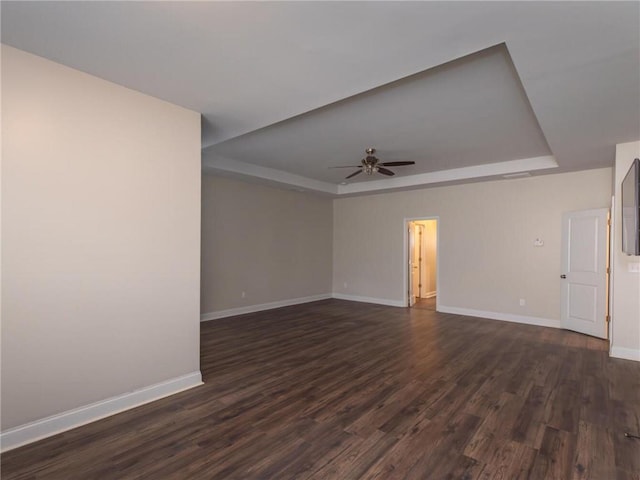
x: 496, y: 427
x: 345, y: 390
x: 510, y: 461
x: 556, y: 455
x: 404, y: 454
x: 378, y: 415
x: 452, y: 437
x: 355, y: 457
x: 595, y: 456
x: 530, y: 420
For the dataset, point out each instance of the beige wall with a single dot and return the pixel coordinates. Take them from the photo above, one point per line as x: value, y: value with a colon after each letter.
x: 625, y: 322
x: 487, y: 260
x: 273, y: 244
x: 100, y: 248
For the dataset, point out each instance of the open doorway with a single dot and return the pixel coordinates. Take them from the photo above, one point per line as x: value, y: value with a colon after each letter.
x: 422, y: 263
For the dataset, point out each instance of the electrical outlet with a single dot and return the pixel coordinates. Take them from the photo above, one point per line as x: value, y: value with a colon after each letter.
x: 345, y: 284
x: 522, y: 302
x: 244, y: 294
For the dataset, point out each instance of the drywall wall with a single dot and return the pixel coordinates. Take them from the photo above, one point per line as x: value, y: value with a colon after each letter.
x: 487, y: 258
x: 101, y: 239
x: 274, y: 245
x: 625, y: 305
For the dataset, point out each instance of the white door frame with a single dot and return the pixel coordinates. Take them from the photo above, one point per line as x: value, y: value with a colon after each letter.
x: 405, y: 258
x: 611, y: 264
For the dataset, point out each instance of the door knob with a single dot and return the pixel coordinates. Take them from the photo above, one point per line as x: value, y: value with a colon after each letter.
x: 563, y: 276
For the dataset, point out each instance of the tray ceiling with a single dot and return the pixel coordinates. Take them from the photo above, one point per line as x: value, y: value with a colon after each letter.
x: 469, y: 90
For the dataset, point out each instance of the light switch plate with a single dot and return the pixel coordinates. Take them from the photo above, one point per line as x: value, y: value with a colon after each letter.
x: 634, y: 267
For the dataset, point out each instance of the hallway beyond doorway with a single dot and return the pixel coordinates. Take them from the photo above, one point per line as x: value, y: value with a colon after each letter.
x: 421, y: 259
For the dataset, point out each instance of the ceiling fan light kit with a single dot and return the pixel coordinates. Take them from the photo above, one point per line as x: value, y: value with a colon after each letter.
x: 371, y: 165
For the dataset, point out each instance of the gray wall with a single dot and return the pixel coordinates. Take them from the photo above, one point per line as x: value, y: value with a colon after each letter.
x: 486, y: 234
x: 100, y: 239
x: 274, y: 245
x: 625, y: 308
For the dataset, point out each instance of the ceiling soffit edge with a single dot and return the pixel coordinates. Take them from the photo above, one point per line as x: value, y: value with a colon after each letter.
x: 239, y: 169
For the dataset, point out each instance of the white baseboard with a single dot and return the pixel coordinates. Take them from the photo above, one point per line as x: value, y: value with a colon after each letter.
x: 429, y: 295
x: 507, y: 317
x: 625, y: 353
x: 379, y: 301
x: 260, y: 307
x: 61, y: 422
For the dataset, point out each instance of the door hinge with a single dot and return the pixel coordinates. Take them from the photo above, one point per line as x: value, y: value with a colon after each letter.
x: 608, y: 270
x: 607, y: 319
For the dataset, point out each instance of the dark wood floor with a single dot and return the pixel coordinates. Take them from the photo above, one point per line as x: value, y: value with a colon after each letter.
x: 425, y: 303
x: 342, y: 390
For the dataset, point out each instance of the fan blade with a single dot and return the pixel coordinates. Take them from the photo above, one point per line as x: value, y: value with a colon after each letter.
x: 354, y: 174
x: 384, y: 171
x: 347, y: 166
x: 396, y: 164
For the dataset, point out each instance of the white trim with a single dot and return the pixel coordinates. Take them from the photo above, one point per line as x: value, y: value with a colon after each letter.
x: 61, y: 422
x: 625, y: 353
x: 231, y: 312
x: 454, y: 174
x: 612, y: 266
x: 379, y: 301
x: 506, y: 317
x: 220, y: 165
x: 429, y: 295
x: 216, y: 164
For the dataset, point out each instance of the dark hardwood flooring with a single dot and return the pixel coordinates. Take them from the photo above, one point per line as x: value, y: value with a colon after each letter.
x: 343, y: 390
x: 426, y: 304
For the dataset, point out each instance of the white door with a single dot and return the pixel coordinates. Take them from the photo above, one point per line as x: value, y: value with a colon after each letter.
x: 412, y: 263
x: 417, y: 261
x: 584, y: 271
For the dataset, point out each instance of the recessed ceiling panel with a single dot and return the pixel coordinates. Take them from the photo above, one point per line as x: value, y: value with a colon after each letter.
x: 470, y: 111
x: 247, y: 65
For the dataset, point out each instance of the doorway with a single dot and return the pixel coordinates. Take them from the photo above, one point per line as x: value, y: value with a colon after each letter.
x: 421, y: 276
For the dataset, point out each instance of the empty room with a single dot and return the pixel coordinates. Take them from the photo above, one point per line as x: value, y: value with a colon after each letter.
x: 320, y: 240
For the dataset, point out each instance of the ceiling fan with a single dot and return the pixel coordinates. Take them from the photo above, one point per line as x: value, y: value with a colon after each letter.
x: 371, y: 164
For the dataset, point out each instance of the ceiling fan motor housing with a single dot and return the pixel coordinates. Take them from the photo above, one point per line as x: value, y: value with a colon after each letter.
x: 369, y: 163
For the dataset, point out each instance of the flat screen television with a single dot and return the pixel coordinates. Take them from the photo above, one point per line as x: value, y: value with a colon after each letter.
x: 631, y: 210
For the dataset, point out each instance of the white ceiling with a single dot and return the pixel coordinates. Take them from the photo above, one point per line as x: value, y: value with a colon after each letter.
x: 492, y: 87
